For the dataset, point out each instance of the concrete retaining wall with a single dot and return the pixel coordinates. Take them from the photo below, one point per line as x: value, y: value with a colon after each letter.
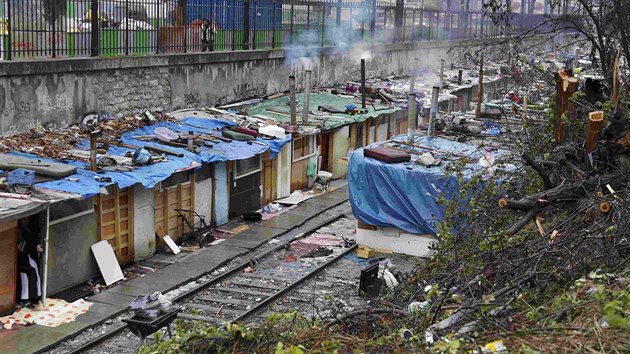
x: 58, y: 92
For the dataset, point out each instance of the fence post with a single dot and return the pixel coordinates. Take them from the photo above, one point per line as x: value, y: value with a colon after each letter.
x: 373, y: 21
x: 398, y: 19
x: 421, y: 24
x: 323, y: 25
x: 363, y: 12
x: 9, y: 29
x: 126, y: 27
x: 184, y: 23
x: 245, y: 42
x: 255, y: 26
x: 95, y: 30
x: 233, y: 29
x: 54, y: 31
x: 159, y: 20
x: 273, y: 24
x: 291, y: 27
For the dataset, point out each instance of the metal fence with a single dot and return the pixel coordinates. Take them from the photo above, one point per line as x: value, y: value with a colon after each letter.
x: 64, y: 29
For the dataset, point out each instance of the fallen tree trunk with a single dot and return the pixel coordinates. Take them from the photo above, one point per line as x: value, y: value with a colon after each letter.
x: 576, y: 189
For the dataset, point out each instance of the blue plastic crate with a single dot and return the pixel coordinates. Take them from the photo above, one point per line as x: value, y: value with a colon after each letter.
x: 21, y: 176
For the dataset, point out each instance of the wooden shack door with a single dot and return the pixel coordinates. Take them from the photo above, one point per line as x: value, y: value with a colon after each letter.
x: 270, y: 179
x: 8, y: 265
x: 115, y: 222
x: 167, y: 200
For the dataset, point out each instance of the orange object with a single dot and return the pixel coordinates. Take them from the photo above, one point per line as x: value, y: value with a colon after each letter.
x: 594, y: 127
x: 566, y: 85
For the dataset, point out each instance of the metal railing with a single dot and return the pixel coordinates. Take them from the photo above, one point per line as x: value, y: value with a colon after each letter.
x: 65, y: 29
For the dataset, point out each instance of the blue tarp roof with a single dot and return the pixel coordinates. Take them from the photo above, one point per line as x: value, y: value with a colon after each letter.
x: 150, y: 175
x: 404, y: 195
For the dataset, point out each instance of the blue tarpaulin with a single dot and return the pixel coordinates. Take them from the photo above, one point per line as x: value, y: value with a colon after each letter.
x: 405, y: 195
x: 83, y: 181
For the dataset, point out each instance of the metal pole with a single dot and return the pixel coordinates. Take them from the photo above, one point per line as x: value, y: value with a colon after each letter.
x: 233, y: 26
x: 434, y: 110
x: 411, y: 117
x: 363, y: 83
x: 185, y: 20
x: 95, y: 31
x: 480, y: 89
x: 412, y: 82
x: 307, y: 96
x: 159, y: 20
x: 323, y: 32
x: 292, y: 103
x: 442, y: 73
x: 460, y: 75
x: 575, y: 59
x: 373, y: 22
x: 46, y: 246
x: 126, y: 27
x: 245, y: 43
x: 273, y: 24
x: 54, y: 32
x: 9, y: 29
x: 255, y: 25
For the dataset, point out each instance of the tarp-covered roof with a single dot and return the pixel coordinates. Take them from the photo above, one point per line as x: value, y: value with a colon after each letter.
x: 278, y: 109
x: 84, y: 183
x: 405, y: 195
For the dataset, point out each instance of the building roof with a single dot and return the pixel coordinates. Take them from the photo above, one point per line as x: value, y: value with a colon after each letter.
x: 278, y: 110
x: 87, y: 183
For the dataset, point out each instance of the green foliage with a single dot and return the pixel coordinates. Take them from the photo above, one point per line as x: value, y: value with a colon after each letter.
x: 447, y: 345
x: 615, y: 305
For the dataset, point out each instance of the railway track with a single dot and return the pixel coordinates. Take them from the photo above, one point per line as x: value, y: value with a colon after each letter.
x: 257, y: 282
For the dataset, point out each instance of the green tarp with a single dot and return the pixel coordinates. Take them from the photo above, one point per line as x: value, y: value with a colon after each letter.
x: 278, y: 109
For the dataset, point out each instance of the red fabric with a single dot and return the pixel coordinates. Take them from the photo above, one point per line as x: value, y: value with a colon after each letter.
x: 246, y: 131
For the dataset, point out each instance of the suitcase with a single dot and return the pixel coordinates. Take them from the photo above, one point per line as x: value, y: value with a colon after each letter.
x: 387, y: 155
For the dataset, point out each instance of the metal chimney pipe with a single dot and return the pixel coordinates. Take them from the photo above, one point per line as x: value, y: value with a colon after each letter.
x: 460, y: 75
x: 480, y: 89
x: 442, y: 72
x: 412, y: 82
x: 292, y: 104
x: 363, y: 83
x: 434, y: 110
x: 307, y: 96
x: 412, y: 117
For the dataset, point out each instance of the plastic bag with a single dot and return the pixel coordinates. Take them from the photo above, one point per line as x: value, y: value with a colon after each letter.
x: 150, y: 306
x: 311, y: 166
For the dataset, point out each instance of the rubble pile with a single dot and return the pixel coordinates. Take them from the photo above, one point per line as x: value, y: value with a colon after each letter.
x: 57, y: 143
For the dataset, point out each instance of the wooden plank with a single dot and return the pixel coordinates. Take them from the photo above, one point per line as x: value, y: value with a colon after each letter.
x: 221, y: 300
x: 213, y: 309
x: 147, y: 147
x: 353, y: 136
x: 244, y: 291
x: 117, y: 249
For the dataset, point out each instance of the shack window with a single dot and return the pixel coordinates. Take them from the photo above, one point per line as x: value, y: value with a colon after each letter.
x: 247, y: 167
x: 303, y: 147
